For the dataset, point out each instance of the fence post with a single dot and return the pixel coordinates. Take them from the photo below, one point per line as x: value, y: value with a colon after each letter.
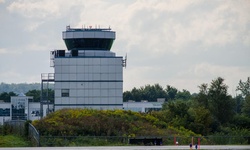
x: 33, y: 133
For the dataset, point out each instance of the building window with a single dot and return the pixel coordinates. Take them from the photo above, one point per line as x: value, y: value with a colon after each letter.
x: 65, y: 92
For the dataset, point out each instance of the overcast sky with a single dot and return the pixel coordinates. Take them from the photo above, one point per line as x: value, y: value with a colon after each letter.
x: 170, y: 42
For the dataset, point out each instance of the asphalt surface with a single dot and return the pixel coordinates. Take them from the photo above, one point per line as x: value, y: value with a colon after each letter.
x: 207, y: 147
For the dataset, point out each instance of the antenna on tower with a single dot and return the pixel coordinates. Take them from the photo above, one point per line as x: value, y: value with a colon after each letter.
x: 124, y: 61
x: 67, y: 27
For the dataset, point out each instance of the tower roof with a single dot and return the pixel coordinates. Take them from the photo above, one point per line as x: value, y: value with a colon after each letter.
x: 88, y: 38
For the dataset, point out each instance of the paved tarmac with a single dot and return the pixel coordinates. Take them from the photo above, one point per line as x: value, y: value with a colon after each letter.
x: 207, y: 147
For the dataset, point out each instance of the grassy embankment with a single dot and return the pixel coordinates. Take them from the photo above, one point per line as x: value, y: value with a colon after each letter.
x: 13, y: 141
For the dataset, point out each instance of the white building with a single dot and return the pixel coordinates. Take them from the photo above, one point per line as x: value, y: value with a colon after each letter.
x: 143, y: 106
x: 88, y: 74
x: 20, y: 108
x: 4, y: 112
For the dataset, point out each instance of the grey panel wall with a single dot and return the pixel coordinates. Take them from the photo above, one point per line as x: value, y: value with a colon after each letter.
x: 95, y: 82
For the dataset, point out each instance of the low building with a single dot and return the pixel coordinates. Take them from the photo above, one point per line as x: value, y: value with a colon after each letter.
x: 144, y: 106
x: 21, y: 107
x: 4, y: 111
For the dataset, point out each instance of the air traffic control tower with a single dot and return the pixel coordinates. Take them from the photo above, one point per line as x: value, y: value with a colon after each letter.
x: 88, y: 74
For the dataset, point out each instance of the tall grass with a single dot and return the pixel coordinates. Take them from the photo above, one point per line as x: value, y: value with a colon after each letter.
x: 13, y: 141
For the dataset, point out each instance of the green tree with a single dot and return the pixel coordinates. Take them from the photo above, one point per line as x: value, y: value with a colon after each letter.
x: 148, y: 92
x: 200, y: 111
x: 177, y: 113
x: 202, y: 97
x: 202, y: 120
x: 48, y: 94
x: 246, y: 106
x: 171, y: 92
x: 36, y: 95
x: 239, y: 100
x: 244, y: 87
x: 18, y: 88
x: 7, y: 96
x: 184, y: 95
x: 127, y: 95
x: 137, y: 94
x: 241, y: 121
x: 151, y: 93
x: 221, y: 105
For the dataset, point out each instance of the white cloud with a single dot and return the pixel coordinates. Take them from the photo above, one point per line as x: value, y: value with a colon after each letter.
x: 189, y: 79
x: 232, y: 74
x: 2, y: 1
x: 36, y: 13
x: 3, y: 51
x: 13, y: 76
x: 158, y: 25
x: 35, y: 9
x: 176, y: 30
x: 246, y: 38
x: 36, y: 47
x: 229, y: 72
x: 181, y: 43
x: 10, y: 74
x: 32, y: 26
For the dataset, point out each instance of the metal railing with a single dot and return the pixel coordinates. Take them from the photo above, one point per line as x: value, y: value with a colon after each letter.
x: 47, y: 76
x: 34, y: 134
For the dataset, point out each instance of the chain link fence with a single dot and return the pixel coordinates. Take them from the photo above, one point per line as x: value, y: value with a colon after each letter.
x: 116, y: 140
x: 14, y: 126
x: 24, y: 128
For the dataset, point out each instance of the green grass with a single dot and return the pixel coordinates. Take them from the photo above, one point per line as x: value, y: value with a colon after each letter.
x: 13, y: 141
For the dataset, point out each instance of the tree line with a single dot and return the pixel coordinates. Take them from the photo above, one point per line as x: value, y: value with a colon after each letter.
x: 152, y: 92
x: 19, y: 87
x: 212, y: 110
x: 36, y: 94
